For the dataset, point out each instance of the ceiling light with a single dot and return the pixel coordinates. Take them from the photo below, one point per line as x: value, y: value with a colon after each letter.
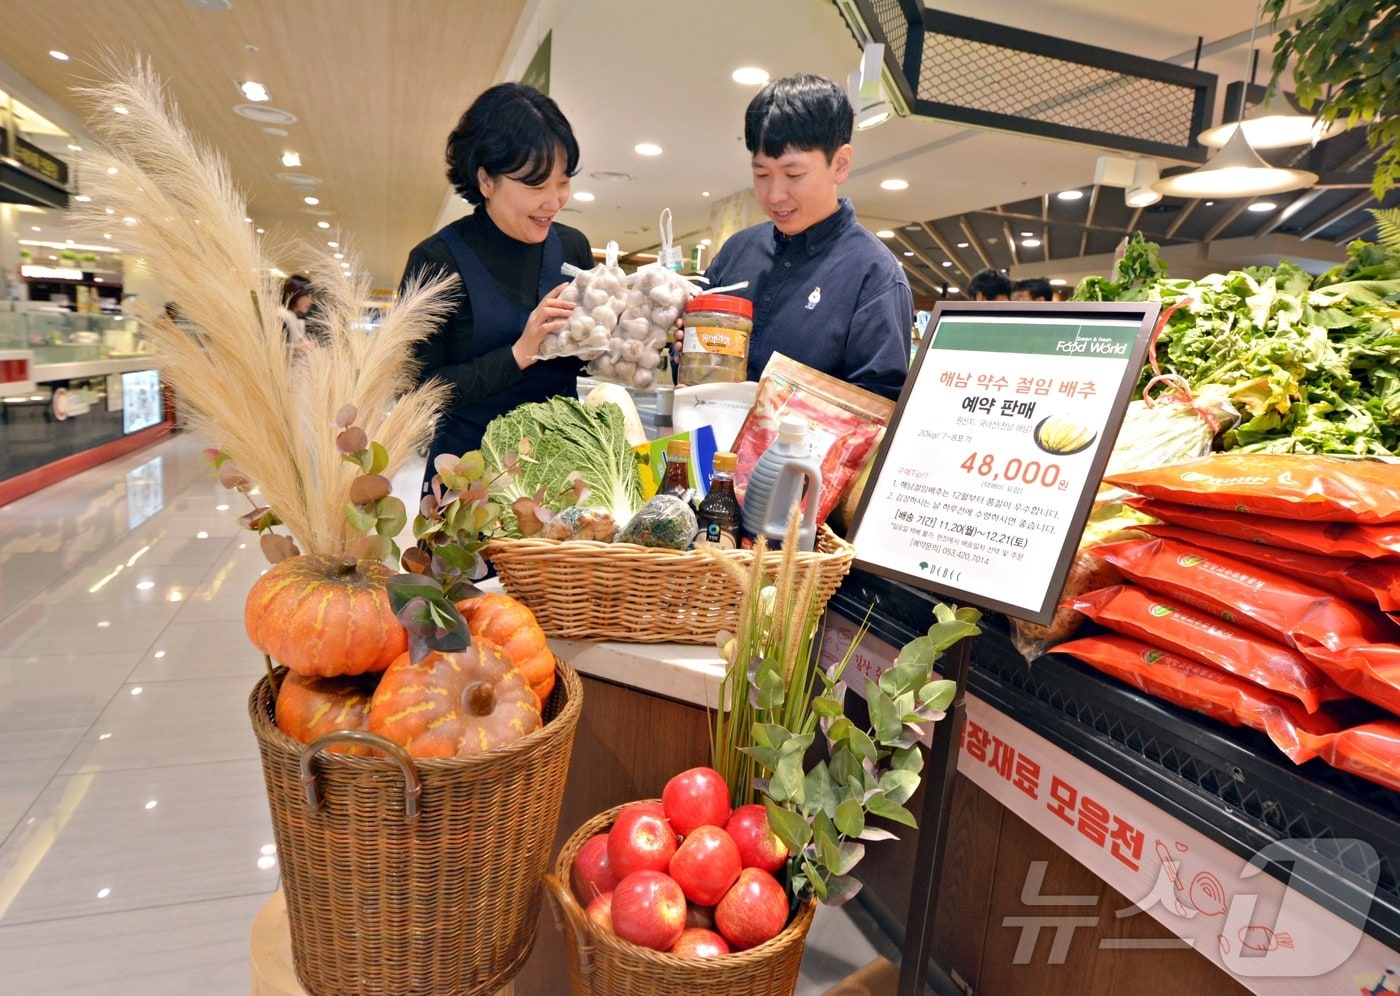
x: 82, y: 198
x: 111, y: 171
x: 749, y: 76
x: 106, y: 235
x: 1140, y: 193
x: 1028, y: 235
x: 260, y: 231
x: 962, y: 245
x: 584, y: 196
x: 248, y: 220
x: 952, y: 290
x: 60, y: 56
x: 254, y: 91
x: 705, y: 242
x: 883, y: 233
x: 323, y: 224
x: 947, y: 262
x: 75, y: 148
x: 313, y: 201
x: 1058, y: 281
x: 333, y: 245
x: 1070, y: 195
x: 894, y: 184
x: 340, y: 255
x: 276, y: 132
x: 1259, y: 207
x: 1274, y: 124
x: 345, y: 266
x: 1030, y: 243
x: 1235, y: 171
x: 35, y: 228
x: 291, y: 159
x: 908, y: 253
x: 119, y: 109
x: 647, y: 149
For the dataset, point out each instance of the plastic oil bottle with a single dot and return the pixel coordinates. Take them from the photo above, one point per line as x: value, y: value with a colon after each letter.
x: 777, y: 482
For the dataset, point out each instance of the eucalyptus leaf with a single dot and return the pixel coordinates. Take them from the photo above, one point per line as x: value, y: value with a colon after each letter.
x: 791, y: 828
x: 850, y: 818
x: 827, y: 840
x: 898, y: 785
x: 863, y: 747
x: 818, y: 792
x: 850, y: 855
x: 840, y: 730
x: 841, y: 889
x: 361, y: 519
x: 769, y: 735
x: 814, y: 878
x: 379, y: 459
x: 907, y: 759
x: 874, y: 834
x: 788, y: 779
x: 770, y: 689
x: 844, y: 766
x: 827, y: 708
x: 391, y: 517
x: 767, y: 757
x: 887, y: 809
x: 883, y: 715
x: 938, y: 695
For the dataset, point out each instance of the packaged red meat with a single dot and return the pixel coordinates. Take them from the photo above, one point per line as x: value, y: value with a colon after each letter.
x: 843, y: 422
x: 1369, y: 582
x: 1171, y: 626
x: 1203, y: 689
x: 1289, y: 485
x: 1334, y: 539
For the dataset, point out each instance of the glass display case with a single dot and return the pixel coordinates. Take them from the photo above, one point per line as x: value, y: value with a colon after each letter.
x: 72, y: 337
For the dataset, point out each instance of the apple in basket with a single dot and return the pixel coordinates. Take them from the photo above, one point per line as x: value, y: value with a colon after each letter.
x: 599, y: 913
x: 759, y: 846
x: 697, y: 942
x: 754, y: 910
x: 641, y: 839
x: 648, y: 908
x: 706, y: 865
x: 696, y: 797
x: 591, y: 875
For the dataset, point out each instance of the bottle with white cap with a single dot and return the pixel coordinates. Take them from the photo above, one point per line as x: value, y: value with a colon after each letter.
x: 777, y: 482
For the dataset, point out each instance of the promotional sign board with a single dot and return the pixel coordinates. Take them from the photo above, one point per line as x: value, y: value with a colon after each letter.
x: 992, y: 457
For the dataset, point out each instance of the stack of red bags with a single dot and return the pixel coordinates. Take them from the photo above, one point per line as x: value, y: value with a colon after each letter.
x: 1269, y: 591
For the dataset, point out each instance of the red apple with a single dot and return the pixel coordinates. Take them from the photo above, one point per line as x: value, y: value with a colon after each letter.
x: 759, y: 846
x: 706, y: 865
x: 694, y: 798
x: 591, y: 875
x: 697, y: 942
x: 700, y: 916
x: 599, y: 913
x: 754, y: 910
x: 640, y: 840
x: 648, y: 908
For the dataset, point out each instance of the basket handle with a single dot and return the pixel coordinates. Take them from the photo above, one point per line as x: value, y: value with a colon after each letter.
x: 565, y: 907
x: 413, y: 788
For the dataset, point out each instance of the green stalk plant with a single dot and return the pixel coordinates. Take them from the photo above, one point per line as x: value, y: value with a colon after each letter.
x: 775, y: 698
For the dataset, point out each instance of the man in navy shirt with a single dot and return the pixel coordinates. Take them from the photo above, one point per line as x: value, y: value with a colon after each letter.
x: 825, y: 291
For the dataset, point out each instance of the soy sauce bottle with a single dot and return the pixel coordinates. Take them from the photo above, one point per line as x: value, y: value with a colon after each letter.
x: 719, y: 517
x: 677, y: 479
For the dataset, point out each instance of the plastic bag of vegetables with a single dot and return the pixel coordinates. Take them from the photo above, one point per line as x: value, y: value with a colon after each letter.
x: 599, y: 296
x: 1176, y: 426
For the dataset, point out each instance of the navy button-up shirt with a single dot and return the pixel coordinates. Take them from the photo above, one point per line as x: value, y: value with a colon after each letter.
x: 832, y: 297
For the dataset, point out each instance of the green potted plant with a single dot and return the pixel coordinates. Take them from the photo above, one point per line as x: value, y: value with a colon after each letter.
x: 68, y: 258
x: 1346, y: 65
x: 88, y: 260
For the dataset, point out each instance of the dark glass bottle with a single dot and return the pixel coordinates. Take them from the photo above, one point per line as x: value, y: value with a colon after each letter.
x: 719, y: 517
x: 677, y: 479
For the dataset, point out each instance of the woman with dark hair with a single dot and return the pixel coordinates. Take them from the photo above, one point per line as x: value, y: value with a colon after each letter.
x: 511, y: 157
x: 297, y: 296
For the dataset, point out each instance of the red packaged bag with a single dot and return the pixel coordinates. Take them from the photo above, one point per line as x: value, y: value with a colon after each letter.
x: 1370, y: 582
x: 1352, y: 645
x: 1335, y: 539
x: 1371, y: 750
x: 844, y: 422
x: 1289, y: 485
x: 1201, y: 688
x: 1174, y: 627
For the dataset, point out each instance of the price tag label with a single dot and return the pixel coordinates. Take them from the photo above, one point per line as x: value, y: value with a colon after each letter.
x: 991, y: 460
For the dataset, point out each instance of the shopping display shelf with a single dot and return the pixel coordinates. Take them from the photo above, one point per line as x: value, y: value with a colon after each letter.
x: 1230, y: 784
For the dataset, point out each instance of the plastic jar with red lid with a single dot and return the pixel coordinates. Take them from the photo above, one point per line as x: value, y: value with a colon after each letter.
x: 715, y: 348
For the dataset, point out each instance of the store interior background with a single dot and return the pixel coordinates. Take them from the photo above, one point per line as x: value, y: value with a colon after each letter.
x: 101, y: 890
x: 374, y: 88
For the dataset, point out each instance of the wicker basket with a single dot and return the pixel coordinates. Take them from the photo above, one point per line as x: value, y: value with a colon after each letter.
x: 583, y: 590
x: 601, y: 964
x: 382, y: 901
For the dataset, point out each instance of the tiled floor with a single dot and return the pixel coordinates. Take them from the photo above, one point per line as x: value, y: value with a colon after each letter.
x: 135, y: 843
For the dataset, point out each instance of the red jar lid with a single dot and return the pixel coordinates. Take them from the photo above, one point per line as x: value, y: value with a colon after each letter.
x: 728, y: 303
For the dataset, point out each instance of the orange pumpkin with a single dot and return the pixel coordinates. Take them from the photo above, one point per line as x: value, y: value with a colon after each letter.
x: 512, y: 626
x: 454, y: 705
x: 309, y: 707
x: 325, y: 616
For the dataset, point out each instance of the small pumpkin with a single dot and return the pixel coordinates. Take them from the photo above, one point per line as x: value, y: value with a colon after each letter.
x: 309, y: 707
x: 511, y: 625
x: 325, y: 616
x: 454, y: 705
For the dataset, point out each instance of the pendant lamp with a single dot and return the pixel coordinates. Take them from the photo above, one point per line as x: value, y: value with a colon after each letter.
x: 1235, y: 171
x: 1275, y: 124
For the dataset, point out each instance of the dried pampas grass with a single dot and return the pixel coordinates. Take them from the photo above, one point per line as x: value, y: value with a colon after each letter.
x: 234, y: 379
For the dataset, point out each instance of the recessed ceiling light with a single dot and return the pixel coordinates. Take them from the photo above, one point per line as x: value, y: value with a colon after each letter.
x: 340, y: 255
x: 962, y: 245
x: 106, y: 235
x: 584, y: 196
x: 321, y: 224
x: 345, y: 266
x: 35, y: 228
x: 60, y: 56
x: 1260, y: 207
x: 885, y: 233
x: 313, y: 201
x: 1058, y: 282
x: 292, y: 159
x: 1030, y: 243
x: 110, y: 211
x: 952, y: 290
x: 75, y: 148
x: 1210, y: 204
x: 265, y: 115
x: 704, y: 242
x: 647, y: 149
x: 248, y: 220
x: 704, y: 193
x: 1070, y: 195
x: 210, y: 4
x: 111, y: 171
x: 947, y: 262
x: 749, y: 76
x: 333, y: 245
x: 83, y: 198
x: 1028, y: 235
x: 119, y: 109
x: 894, y: 184
x: 260, y: 231
x: 908, y: 253
x: 254, y: 91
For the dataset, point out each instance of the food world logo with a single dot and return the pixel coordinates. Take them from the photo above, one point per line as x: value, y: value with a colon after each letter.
x: 1252, y: 940
x: 1098, y: 345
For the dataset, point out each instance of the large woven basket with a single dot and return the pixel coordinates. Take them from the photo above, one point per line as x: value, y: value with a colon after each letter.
x: 384, y: 902
x: 583, y: 590
x: 601, y: 964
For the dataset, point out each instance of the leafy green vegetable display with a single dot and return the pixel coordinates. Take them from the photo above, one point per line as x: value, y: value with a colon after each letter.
x: 1312, y: 365
x: 555, y: 439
